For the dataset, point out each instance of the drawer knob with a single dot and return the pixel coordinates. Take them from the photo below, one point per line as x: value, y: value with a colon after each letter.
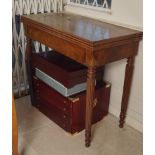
x: 64, y: 109
x: 64, y: 116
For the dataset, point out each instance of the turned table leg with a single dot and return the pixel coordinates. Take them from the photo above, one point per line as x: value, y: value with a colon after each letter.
x: 89, y: 103
x: 126, y: 90
x: 29, y: 67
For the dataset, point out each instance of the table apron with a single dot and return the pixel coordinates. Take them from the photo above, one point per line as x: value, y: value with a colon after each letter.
x: 111, y: 54
x: 72, y: 50
x: 80, y: 52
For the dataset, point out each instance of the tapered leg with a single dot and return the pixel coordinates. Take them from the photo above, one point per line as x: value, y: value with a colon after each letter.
x: 29, y: 68
x: 126, y: 90
x: 89, y: 103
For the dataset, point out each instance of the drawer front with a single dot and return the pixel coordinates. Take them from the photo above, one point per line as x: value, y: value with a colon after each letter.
x: 69, y: 113
x: 52, y: 106
x: 53, y: 98
x: 56, y: 115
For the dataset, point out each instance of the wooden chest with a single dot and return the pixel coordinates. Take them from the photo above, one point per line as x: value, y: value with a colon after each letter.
x: 63, y: 69
x: 69, y: 112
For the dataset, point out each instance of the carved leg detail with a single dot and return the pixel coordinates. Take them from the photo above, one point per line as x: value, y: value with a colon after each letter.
x: 126, y: 90
x: 89, y: 103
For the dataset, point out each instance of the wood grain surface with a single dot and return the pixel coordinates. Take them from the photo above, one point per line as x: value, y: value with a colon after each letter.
x: 90, y: 42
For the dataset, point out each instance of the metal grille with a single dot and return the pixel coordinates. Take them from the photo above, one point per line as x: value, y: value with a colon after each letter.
x: 21, y: 7
x: 94, y: 3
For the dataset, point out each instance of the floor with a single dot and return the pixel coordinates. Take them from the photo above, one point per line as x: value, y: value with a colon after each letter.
x: 40, y: 136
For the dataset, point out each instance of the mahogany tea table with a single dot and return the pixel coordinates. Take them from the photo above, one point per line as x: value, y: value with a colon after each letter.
x: 88, y: 41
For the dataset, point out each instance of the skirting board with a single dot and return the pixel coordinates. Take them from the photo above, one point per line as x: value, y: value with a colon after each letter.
x: 129, y: 121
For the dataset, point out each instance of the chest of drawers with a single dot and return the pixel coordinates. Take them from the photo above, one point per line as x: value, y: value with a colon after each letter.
x: 69, y: 112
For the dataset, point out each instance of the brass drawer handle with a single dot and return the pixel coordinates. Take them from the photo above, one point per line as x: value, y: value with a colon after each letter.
x: 95, y: 102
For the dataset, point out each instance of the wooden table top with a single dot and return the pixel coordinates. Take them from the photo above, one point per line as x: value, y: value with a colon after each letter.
x: 83, y: 28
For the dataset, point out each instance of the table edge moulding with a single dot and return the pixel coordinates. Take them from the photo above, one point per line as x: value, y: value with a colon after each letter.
x: 88, y: 41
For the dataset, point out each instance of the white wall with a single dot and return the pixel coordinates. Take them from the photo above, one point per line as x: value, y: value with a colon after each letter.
x: 127, y: 13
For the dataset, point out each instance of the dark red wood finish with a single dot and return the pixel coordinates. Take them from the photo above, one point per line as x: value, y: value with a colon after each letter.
x: 69, y: 113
